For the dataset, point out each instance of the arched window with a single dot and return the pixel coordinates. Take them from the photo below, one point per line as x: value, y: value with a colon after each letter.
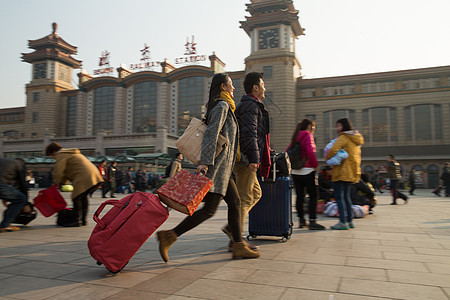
x: 379, y: 125
x: 190, y: 100
x: 423, y: 122
x: 330, y: 118
x: 104, y: 108
x: 369, y: 169
x: 144, y: 112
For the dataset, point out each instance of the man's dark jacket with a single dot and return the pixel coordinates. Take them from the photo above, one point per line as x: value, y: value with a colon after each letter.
x: 12, y: 172
x: 253, y: 120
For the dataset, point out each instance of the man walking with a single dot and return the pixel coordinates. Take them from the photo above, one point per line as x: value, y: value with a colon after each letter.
x: 254, y: 143
x: 104, y: 173
x: 395, y: 176
x: 13, y: 189
x: 112, y: 171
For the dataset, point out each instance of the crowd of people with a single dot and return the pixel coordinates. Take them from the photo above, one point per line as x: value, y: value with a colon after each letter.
x: 234, y: 172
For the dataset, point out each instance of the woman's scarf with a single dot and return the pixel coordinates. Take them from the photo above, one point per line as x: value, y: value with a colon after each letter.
x: 227, y: 97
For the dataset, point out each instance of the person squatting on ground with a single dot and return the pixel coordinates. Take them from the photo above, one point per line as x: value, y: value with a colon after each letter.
x: 306, y: 177
x: 395, y: 176
x: 348, y: 172
x: 13, y: 189
x: 254, y: 146
x: 73, y: 166
x: 220, y: 120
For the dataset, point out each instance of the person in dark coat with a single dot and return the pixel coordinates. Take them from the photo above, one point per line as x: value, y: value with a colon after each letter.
x: 325, y: 184
x: 254, y: 143
x: 13, y: 189
x: 220, y: 120
x: 362, y: 193
x: 395, y: 176
x: 445, y: 177
x: 375, y: 181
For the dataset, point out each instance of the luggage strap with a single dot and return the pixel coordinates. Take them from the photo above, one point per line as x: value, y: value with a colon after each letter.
x: 100, y: 209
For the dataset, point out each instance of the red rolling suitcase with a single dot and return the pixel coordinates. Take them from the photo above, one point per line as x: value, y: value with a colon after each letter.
x: 120, y: 233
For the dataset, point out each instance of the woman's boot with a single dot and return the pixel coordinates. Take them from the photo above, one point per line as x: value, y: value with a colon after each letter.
x: 313, y: 225
x: 166, y: 238
x: 240, y: 250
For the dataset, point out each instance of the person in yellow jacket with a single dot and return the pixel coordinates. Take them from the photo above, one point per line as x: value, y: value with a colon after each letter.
x: 73, y: 166
x: 348, y: 172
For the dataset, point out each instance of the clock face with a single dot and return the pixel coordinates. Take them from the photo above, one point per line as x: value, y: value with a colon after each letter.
x: 40, y: 71
x: 269, y: 38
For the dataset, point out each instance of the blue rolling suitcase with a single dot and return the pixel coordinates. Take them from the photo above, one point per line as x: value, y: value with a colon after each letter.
x: 272, y: 215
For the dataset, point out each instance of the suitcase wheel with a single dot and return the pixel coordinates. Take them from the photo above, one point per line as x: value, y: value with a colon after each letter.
x: 251, y: 237
x: 284, y: 239
x: 99, y: 263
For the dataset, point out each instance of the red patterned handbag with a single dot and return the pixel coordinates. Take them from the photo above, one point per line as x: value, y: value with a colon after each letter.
x: 184, y: 191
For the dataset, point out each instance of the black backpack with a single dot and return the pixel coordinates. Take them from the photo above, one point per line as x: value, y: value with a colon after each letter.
x: 168, y: 169
x: 295, y: 156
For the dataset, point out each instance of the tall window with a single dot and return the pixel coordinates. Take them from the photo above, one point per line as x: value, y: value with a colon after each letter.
x: 71, y: 116
x: 423, y: 122
x: 35, y: 117
x: 330, y: 118
x: 104, y: 108
x: 144, y: 117
x: 268, y: 71
x: 380, y: 124
x: 36, y: 97
x: 190, y: 101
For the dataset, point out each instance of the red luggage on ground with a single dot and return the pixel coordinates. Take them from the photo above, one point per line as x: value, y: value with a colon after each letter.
x: 437, y: 190
x: 120, y: 233
x: 185, y: 191
x: 49, y: 201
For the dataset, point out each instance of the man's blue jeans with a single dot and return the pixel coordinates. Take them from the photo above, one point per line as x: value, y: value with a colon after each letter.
x: 17, y: 201
x: 344, y: 202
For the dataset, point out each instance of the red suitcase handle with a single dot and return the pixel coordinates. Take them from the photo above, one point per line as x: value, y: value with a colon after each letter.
x: 100, y: 209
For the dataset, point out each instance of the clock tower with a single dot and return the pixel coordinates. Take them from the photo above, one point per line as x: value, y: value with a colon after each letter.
x: 273, y: 27
x: 52, y: 65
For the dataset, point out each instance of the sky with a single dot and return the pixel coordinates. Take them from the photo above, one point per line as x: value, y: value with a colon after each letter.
x: 342, y: 37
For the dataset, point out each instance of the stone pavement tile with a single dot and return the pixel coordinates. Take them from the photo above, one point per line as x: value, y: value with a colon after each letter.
x: 357, y: 247
x: 8, y: 261
x: 310, y: 258
x: 230, y: 274
x: 88, y: 292
x: 283, y: 279
x: 49, y: 256
x: 41, y: 269
x: 433, y: 251
x: 25, y: 287
x: 344, y: 271
x: 66, y: 246
x: 299, y: 294
x: 101, y: 276
x: 441, y: 268
x: 4, y: 275
x: 391, y: 290
x: 208, y: 263
x: 176, y: 297
x: 130, y: 294
x: 432, y: 279
x: 266, y: 264
x: 171, y: 281
x: 433, y: 245
x: 218, y: 289
x: 413, y: 257
x: 356, y: 253
x: 386, y: 264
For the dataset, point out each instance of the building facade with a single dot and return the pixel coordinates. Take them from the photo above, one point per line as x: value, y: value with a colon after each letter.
x: 405, y: 112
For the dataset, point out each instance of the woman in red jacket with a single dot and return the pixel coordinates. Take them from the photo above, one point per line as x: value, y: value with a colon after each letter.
x: 305, y: 178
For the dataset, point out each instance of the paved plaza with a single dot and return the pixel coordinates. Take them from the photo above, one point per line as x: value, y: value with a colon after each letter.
x: 400, y: 252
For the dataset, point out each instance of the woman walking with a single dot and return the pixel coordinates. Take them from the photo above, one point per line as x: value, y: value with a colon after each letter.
x: 73, y: 166
x: 306, y: 177
x: 348, y: 172
x: 221, y: 120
